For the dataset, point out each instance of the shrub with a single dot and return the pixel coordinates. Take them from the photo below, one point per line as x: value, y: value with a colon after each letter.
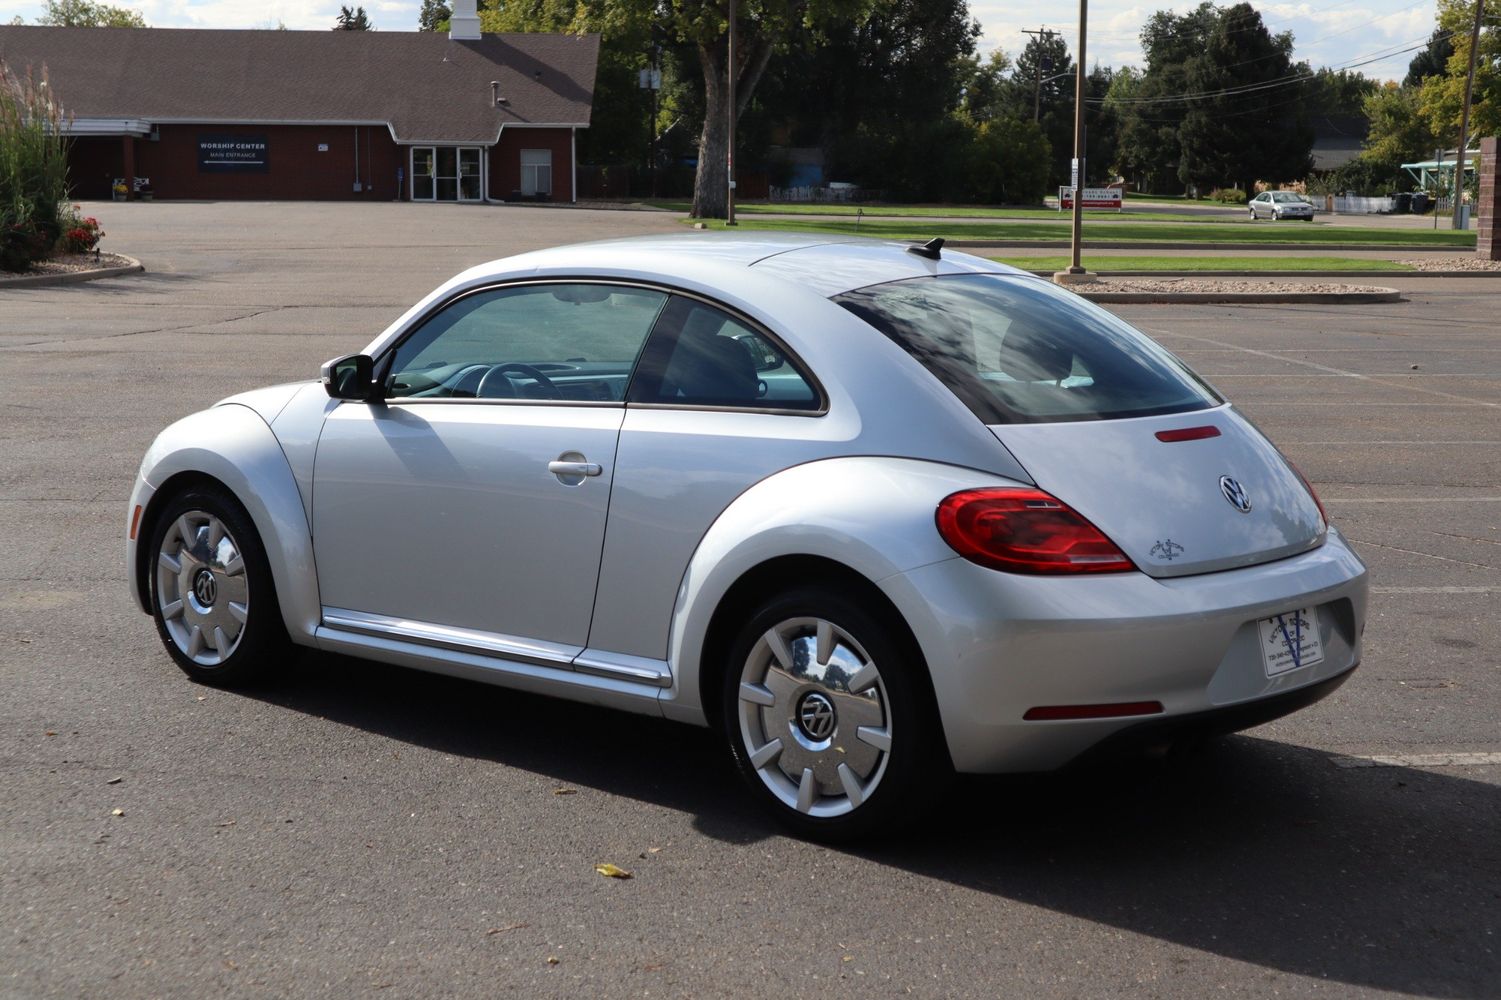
x: 80, y: 233
x: 33, y: 169
x: 1229, y: 196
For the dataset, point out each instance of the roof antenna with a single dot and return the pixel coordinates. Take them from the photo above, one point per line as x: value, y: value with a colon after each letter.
x: 929, y: 249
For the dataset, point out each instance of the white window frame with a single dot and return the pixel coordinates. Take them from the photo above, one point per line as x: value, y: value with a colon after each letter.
x: 533, y: 169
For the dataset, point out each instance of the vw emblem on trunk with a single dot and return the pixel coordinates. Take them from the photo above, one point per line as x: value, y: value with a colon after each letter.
x: 816, y: 716
x: 1236, y: 494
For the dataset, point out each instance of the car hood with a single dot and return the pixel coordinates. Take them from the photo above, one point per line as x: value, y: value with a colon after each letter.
x: 267, y: 402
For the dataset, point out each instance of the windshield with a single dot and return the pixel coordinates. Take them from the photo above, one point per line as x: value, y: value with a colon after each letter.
x: 1019, y: 350
x: 1286, y: 199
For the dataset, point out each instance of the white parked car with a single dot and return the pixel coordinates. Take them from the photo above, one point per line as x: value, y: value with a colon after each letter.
x: 1278, y: 205
x: 876, y: 512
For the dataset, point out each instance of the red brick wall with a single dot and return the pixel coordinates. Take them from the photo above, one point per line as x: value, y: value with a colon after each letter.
x: 298, y: 171
x: 505, y: 160
x: 1488, y: 238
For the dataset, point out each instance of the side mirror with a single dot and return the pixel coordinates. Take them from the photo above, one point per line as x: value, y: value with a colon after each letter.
x: 350, y: 377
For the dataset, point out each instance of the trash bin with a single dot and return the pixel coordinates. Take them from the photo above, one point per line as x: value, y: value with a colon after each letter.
x: 1404, y: 203
x: 1419, y: 202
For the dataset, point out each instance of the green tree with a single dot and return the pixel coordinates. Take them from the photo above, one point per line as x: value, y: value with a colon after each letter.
x: 1221, y: 101
x: 984, y: 83
x: 86, y: 14
x: 434, y: 16
x: 762, y: 27
x: 1442, y: 95
x: 352, y: 19
x: 867, y: 89
x: 1432, y: 60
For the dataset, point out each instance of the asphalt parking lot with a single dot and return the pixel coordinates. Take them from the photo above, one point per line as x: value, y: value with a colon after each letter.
x: 360, y: 830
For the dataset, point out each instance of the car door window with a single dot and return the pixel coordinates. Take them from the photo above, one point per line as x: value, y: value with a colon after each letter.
x: 568, y: 341
x: 700, y: 355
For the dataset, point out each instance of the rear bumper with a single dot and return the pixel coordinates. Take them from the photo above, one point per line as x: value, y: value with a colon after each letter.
x: 998, y: 644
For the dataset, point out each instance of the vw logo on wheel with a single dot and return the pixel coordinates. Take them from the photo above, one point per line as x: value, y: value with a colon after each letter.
x: 816, y: 716
x: 205, y: 588
x: 1236, y: 494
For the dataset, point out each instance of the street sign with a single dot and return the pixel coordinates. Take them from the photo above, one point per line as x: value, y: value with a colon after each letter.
x: 1093, y: 198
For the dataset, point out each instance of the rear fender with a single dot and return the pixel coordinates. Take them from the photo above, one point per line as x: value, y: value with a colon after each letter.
x: 231, y: 443
x: 875, y: 516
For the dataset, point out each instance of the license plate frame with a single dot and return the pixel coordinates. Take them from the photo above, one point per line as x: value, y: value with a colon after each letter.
x: 1282, y: 634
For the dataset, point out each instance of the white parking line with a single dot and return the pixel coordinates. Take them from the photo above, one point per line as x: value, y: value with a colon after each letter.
x: 1410, y: 499
x: 1326, y: 369
x: 1419, y: 760
x: 1436, y: 590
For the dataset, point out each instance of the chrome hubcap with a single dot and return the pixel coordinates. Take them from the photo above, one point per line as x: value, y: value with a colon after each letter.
x: 201, y: 588
x: 813, y: 717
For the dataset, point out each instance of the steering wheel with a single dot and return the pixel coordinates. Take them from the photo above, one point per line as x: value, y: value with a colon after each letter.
x: 497, y: 384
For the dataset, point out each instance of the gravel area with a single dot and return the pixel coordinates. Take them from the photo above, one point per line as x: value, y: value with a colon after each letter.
x: 1453, y: 262
x: 1219, y: 286
x: 69, y: 263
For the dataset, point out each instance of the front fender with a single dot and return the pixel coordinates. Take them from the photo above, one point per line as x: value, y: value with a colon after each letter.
x: 873, y: 515
x: 233, y: 444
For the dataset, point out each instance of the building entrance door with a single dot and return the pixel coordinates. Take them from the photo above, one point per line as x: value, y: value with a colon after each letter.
x: 446, y: 173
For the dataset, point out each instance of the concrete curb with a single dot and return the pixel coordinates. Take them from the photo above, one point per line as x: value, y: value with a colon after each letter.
x: 1242, y: 298
x: 72, y: 277
x: 958, y: 244
x: 1287, y: 274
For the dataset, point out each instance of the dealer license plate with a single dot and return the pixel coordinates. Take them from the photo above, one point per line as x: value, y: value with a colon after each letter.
x: 1290, y: 641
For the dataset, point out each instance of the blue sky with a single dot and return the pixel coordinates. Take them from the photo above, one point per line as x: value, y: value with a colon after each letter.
x: 1333, y: 33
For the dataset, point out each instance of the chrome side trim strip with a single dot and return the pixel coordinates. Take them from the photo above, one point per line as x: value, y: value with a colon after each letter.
x: 640, y: 669
x: 461, y: 640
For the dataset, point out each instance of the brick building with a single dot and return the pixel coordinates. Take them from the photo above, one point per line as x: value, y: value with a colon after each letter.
x: 288, y: 115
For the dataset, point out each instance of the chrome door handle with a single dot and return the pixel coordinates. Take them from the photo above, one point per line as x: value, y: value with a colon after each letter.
x: 575, y: 468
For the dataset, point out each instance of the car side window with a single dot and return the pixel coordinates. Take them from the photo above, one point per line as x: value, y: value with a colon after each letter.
x: 568, y: 341
x: 699, y: 355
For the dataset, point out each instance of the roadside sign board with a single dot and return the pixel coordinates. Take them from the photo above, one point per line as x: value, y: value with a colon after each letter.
x: 1093, y: 198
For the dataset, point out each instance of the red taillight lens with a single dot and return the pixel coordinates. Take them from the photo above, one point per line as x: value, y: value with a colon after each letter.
x: 1188, y: 434
x: 1025, y: 531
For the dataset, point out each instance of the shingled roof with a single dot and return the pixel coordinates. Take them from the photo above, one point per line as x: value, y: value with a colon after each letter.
x: 426, y: 87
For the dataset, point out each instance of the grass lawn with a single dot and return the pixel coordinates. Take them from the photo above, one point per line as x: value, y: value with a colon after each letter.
x: 1123, y: 232
x: 1207, y: 264
x: 940, y: 212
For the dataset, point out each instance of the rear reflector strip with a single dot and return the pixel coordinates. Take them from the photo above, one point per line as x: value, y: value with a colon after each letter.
x: 135, y: 522
x: 1188, y: 434
x: 1052, y: 713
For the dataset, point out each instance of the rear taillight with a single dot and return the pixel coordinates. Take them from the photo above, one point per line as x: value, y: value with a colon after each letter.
x: 1025, y: 531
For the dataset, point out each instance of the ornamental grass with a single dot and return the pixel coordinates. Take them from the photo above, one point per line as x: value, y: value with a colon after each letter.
x: 33, y: 169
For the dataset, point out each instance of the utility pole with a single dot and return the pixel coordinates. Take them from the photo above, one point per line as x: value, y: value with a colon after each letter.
x: 1080, y: 83
x: 729, y: 218
x: 1464, y: 116
x: 1046, y: 35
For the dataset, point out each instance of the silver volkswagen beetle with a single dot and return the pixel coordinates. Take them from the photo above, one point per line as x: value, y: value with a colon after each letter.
x: 876, y: 512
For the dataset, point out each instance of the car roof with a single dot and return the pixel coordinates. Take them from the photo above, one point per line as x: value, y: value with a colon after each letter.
x: 827, y: 265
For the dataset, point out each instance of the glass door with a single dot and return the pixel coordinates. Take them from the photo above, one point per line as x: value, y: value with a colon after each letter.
x: 422, y: 173
x: 469, y: 174
x: 448, y: 174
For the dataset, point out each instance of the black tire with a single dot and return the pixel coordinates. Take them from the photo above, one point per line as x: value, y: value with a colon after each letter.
x: 910, y: 772
x: 260, y: 644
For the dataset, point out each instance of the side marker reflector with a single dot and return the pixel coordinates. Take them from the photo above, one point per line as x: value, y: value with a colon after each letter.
x: 1188, y: 434
x: 1053, y: 713
x: 135, y: 522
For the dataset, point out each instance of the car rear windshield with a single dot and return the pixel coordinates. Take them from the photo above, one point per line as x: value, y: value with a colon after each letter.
x: 1018, y: 350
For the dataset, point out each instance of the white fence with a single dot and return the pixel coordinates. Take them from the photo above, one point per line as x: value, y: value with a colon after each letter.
x: 1355, y: 205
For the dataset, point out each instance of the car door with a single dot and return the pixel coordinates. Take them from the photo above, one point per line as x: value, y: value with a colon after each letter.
x: 469, y: 505
x: 717, y: 405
